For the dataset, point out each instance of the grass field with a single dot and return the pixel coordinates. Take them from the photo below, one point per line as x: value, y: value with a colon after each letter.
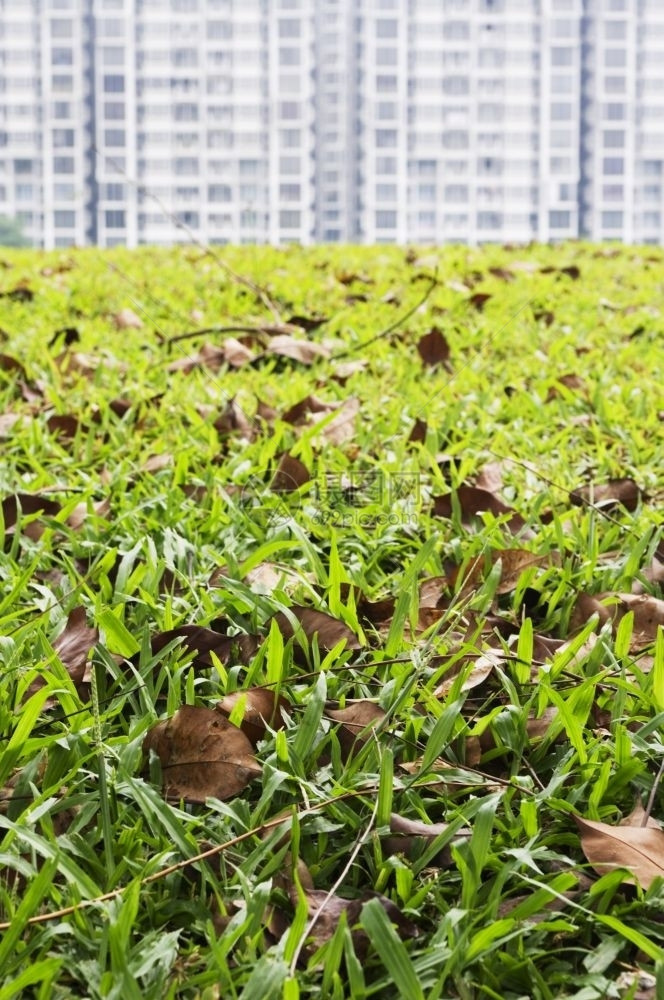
x: 331, y: 623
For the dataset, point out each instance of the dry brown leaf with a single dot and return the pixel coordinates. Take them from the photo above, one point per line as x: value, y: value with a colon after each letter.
x: 72, y: 647
x: 236, y: 354
x: 290, y: 475
x: 155, y: 463
x: 639, y: 817
x: 358, y: 721
x: 202, y: 755
x: 433, y: 348
x: 81, y: 512
x: 127, y: 319
x: 304, y: 351
x: 300, y: 412
x: 7, y: 423
x: 309, y: 623
x: 341, y: 427
x: 204, y: 642
x: 409, y: 837
x: 262, y: 710
x: 233, y: 420
x: 639, y: 849
x: 490, y: 477
x: 614, y: 493
x: 482, y: 668
x: 472, y: 502
x: 648, y: 614
x: 26, y: 505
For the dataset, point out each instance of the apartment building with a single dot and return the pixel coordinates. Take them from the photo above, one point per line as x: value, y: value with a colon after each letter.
x: 154, y: 121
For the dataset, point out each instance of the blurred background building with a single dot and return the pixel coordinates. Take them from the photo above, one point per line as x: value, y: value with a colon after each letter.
x: 152, y: 121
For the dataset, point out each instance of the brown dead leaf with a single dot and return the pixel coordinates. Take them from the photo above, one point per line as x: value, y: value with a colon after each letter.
x: 236, y: 354
x: 479, y: 299
x: 26, y: 505
x: 648, y: 614
x: 433, y: 348
x: 358, y: 721
x: 307, y: 323
x: 290, y: 475
x: 300, y: 412
x: 63, y: 425
x: 639, y: 849
x: 82, y: 511
x: 127, y: 319
x: 490, y: 477
x: 202, y: 755
x: 309, y: 623
x: 72, y: 648
x: 609, y: 495
x: 570, y: 381
x: 262, y: 709
x: 11, y: 364
x: 346, y: 369
x: 472, y: 502
x: 233, y: 420
x: 304, y: 351
x: 410, y: 837
x: 639, y: 817
x: 204, y: 642
x: 341, y: 427
x: 482, y: 669
x: 418, y: 432
x: 7, y: 423
x: 155, y: 463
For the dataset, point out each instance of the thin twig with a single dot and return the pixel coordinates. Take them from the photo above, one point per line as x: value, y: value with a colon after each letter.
x: 653, y: 792
x: 393, y: 326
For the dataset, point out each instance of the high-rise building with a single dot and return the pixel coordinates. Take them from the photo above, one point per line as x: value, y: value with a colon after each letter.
x: 152, y: 121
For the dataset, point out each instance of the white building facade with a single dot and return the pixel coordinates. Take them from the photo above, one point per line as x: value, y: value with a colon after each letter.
x: 155, y: 121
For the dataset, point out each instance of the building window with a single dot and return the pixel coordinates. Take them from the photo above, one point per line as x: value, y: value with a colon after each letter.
x: 63, y: 192
x: 386, y: 192
x: 62, y: 28
x: 386, y: 138
x: 614, y: 139
x: 289, y: 28
x: 114, y: 137
x: 62, y: 57
x: 114, y: 218
x: 561, y: 56
x: 612, y: 220
x: 615, y: 58
x: 63, y: 164
x: 386, y: 28
x: 386, y: 219
x: 114, y: 83
x: 612, y: 165
x: 64, y: 219
x: 386, y: 83
x: 559, y: 219
x: 289, y: 192
x: 289, y: 219
x: 219, y: 192
x: 386, y: 165
x: 113, y: 192
x: 63, y: 138
x: 614, y: 112
x: 561, y: 112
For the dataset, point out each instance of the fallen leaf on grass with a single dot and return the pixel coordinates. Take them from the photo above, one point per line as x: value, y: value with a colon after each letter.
x: 72, y: 647
x: 639, y: 817
x: 614, y: 493
x: 11, y: 364
x: 433, y: 348
x: 482, y: 668
x: 81, y: 512
x: 26, y: 505
x: 648, y: 614
x: 290, y: 475
x: 202, y: 755
x: 233, y: 420
x: 358, y: 721
x: 63, y: 425
x: 409, y: 837
x: 309, y: 623
x: 473, y: 501
x: 304, y: 351
x: 341, y: 427
x: 261, y: 709
x: 204, y: 642
x: 127, y: 319
x: 639, y: 849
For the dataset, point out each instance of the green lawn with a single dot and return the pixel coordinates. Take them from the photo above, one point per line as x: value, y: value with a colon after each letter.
x: 343, y: 568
